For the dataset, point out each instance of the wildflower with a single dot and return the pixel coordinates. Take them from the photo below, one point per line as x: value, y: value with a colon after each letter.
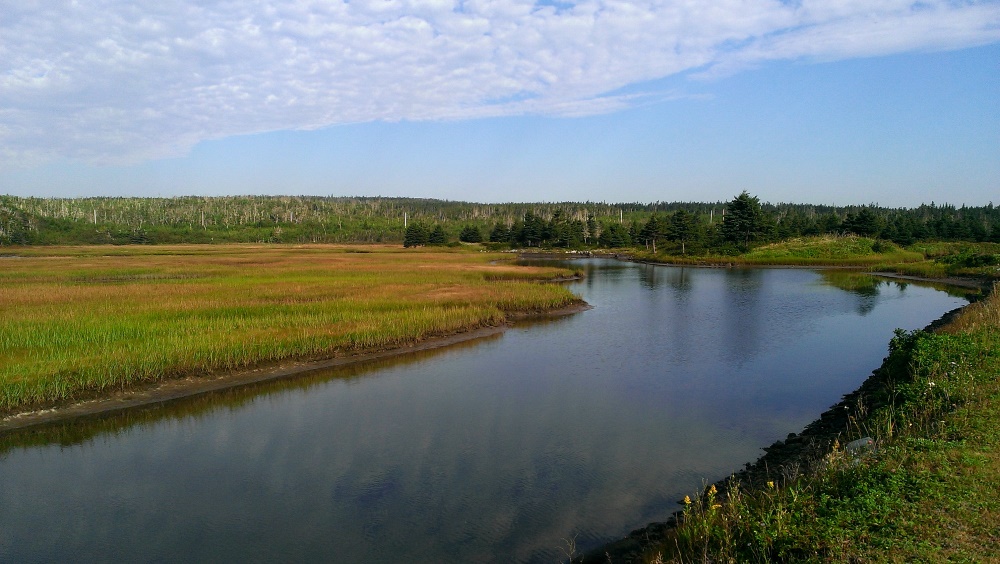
x: 687, y: 500
x: 716, y: 506
x: 712, y: 490
x: 770, y: 485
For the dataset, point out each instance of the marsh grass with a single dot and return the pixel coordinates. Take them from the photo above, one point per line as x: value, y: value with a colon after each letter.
x: 93, y: 319
x: 808, y: 251
x: 929, y: 491
x: 924, y: 260
x: 847, y: 250
x: 943, y: 259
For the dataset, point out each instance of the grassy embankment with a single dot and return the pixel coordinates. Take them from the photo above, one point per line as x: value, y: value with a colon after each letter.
x: 928, y: 492
x: 929, y: 260
x: 89, y: 320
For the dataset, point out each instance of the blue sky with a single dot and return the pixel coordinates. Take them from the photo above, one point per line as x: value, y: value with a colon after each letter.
x: 842, y: 102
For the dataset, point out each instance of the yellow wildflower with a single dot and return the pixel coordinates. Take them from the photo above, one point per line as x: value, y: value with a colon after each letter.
x: 770, y: 485
x: 687, y: 500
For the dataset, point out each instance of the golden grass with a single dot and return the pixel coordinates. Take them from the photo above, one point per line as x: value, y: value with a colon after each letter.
x: 983, y: 315
x: 92, y: 319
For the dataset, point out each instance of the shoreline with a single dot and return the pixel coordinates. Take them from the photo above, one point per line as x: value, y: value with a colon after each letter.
x: 971, y: 283
x: 797, y: 453
x: 173, y: 389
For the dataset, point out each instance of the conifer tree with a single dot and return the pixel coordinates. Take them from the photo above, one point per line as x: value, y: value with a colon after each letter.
x: 416, y: 235
x: 745, y: 220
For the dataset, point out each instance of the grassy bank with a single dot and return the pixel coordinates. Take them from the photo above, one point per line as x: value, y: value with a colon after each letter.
x: 805, y: 251
x: 926, y: 260
x: 927, y: 489
x: 79, y: 321
x: 951, y: 259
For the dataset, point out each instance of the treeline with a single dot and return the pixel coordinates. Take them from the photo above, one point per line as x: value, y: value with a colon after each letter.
x: 248, y: 219
x: 681, y: 227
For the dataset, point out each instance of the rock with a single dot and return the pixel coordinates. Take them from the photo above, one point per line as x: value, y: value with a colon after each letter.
x: 860, y: 446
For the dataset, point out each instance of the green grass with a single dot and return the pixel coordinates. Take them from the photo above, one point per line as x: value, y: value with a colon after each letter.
x: 948, y: 259
x: 925, y: 260
x: 806, y: 251
x: 830, y: 250
x: 930, y: 492
x: 84, y: 321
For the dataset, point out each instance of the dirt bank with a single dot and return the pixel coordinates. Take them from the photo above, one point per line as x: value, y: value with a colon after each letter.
x: 173, y: 389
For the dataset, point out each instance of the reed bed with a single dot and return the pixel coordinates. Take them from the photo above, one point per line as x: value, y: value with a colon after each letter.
x: 85, y: 321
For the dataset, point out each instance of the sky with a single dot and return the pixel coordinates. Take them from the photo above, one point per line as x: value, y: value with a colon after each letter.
x: 891, y: 102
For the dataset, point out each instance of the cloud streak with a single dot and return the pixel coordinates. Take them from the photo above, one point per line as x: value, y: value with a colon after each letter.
x: 108, y: 82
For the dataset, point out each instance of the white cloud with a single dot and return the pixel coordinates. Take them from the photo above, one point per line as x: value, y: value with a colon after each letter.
x: 109, y: 81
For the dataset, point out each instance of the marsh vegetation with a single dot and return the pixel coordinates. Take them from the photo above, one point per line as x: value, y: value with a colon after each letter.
x: 580, y: 427
x: 96, y: 319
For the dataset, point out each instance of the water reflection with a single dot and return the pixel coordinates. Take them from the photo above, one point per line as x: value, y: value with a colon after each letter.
x: 497, y: 450
x: 869, y: 288
x: 83, y: 429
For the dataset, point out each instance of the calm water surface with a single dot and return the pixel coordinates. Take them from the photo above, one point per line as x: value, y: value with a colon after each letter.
x: 493, y: 451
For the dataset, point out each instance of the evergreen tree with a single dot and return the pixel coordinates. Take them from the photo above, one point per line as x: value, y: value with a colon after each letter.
x: 650, y: 232
x: 633, y: 231
x: 865, y: 223
x: 745, y: 220
x: 416, y: 235
x: 577, y: 233
x: 615, y: 236
x: 531, y: 233
x: 829, y: 223
x: 994, y: 235
x: 682, y: 228
x: 500, y: 234
x: 470, y: 234
x: 903, y: 231
x: 559, y: 231
x: 437, y: 236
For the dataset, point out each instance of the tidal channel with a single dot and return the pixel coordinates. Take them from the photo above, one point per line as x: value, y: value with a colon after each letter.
x: 574, y: 429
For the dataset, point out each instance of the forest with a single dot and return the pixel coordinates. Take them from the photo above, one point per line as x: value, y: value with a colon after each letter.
x: 677, y: 227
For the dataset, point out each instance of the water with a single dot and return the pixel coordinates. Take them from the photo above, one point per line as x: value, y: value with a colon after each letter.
x: 498, y: 450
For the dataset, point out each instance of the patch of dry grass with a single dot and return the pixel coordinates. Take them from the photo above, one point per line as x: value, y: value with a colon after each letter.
x: 980, y: 316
